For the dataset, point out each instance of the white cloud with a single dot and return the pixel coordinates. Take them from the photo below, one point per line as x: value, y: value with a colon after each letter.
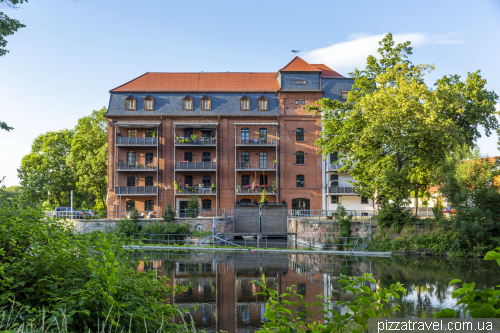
x: 344, y: 57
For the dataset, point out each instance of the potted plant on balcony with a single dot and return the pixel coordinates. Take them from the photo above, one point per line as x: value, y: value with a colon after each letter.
x: 150, y: 165
x: 139, y: 165
x: 120, y: 164
x: 212, y: 187
x: 176, y: 186
x: 274, y: 186
x: 274, y: 162
x: 194, y: 137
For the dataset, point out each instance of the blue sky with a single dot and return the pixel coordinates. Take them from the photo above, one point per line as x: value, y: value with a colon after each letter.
x: 71, y: 53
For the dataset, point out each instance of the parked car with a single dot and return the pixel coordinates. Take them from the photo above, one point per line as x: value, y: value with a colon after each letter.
x: 66, y: 212
x: 449, y: 210
x: 87, y: 212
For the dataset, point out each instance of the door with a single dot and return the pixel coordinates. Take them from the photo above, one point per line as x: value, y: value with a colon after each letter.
x: 188, y: 132
x: 183, y: 208
x: 188, y: 156
x: 263, y: 160
x: 263, y: 135
x: 263, y: 180
x: 301, y: 206
x: 131, y: 160
x: 188, y: 181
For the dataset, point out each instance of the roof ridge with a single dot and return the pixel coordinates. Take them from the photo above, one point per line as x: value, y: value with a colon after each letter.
x: 302, y: 62
x: 207, y: 73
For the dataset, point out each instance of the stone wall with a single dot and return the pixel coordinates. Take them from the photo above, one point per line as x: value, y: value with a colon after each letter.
x: 327, y: 229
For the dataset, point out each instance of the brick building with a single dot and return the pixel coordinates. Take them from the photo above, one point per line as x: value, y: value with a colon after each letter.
x: 220, y: 136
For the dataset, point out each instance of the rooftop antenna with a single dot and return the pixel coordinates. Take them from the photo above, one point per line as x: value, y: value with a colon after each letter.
x: 295, y: 51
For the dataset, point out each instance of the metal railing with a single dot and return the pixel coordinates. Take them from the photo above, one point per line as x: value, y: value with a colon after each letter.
x: 256, y: 142
x: 181, y: 141
x: 247, y: 189
x: 341, y: 190
x: 136, y: 190
x: 195, y: 165
x: 334, y: 166
x: 255, y: 165
x: 195, y: 190
x: 326, y: 214
x: 135, y: 141
x: 136, y: 166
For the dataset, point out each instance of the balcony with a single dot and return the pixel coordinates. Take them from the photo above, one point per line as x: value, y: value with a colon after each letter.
x: 194, y: 166
x: 135, y: 167
x: 195, y: 190
x: 255, y: 166
x: 334, y: 166
x: 257, y: 190
x: 181, y: 141
x: 136, y: 190
x: 344, y: 190
x: 126, y: 141
x: 256, y: 142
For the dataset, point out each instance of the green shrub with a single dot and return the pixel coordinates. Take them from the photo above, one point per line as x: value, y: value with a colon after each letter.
x: 392, y: 214
x: 126, y: 228
x: 193, y: 207
x: 169, y: 214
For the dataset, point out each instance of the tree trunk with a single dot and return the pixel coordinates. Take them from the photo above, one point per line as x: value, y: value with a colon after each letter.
x: 415, y: 205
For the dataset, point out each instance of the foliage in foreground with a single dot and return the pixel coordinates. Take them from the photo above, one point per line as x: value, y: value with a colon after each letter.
x: 50, y: 274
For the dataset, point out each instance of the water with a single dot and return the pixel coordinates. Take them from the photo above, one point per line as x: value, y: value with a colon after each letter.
x: 221, y: 282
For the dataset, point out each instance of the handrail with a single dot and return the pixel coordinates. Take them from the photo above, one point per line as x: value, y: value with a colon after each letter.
x: 137, y: 141
x: 196, y: 165
x: 255, y: 165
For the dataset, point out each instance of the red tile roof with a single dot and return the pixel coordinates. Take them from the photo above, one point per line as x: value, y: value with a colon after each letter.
x: 327, y: 71
x: 204, y: 82
x: 298, y: 65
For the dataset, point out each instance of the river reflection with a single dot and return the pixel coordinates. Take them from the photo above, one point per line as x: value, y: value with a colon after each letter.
x: 221, y: 282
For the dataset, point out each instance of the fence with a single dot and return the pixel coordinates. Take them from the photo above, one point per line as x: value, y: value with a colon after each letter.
x: 136, y: 141
x: 257, y: 189
x: 195, y: 165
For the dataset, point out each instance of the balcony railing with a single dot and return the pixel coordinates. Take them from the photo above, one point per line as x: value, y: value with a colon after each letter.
x: 248, y: 190
x: 135, y: 166
x: 136, y: 190
x: 334, y: 166
x: 341, y: 190
x: 255, y: 166
x: 195, y: 165
x: 188, y: 190
x: 180, y: 141
x: 126, y: 141
x: 256, y: 142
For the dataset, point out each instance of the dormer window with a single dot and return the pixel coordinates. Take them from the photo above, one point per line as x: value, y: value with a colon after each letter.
x: 300, y: 81
x: 262, y: 103
x: 245, y: 103
x: 187, y: 103
x: 130, y: 103
x: 206, y: 103
x: 149, y: 103
x: 343, y: 95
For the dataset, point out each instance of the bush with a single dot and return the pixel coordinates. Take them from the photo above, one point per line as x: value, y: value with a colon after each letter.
x: 126, y: 228
x: 193, y: 207
x: 392, y: 215
x: 169, y: 214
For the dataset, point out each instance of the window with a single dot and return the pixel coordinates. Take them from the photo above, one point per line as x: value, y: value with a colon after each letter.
x: 149, y: 159
x: 207, y: 268
x: 343, y: 95
x: 300, y: 81
x: 207, y: 204
x: 188, y: 180
x: 245, y: 103
x: 188, y: 132
x: 263, y: 135
x: 130, y: 103
x: 149, y: 103
x: 206, y: 103
x: 188, y: 157
x: 301, y: 288
x: 182, y: 267
x: 245, y: 156
x: 296, y: 102
x: 262, y: 103
x: 245, y: 201
x: 334, y: 180
x: 131, y: 159
x: 301, y: 203
x: 131, y: 133
x: 299, y: 157
x: 245, y: 180
x: 149, y: 205
x: 333, y: 158
x: 130, y: 181
x: 364, y: 200
x: 206, y: 181
x: 299, y: 134
x: 263, y: 160
x: 303, y: 102
x: 334, y: 199
x: 149, y: 181
x: 207, y: 134
x: 245, y: 135
x: 187, y: 103
x: 150, y: 133
x: 130, y: 205
x: 205, y: 157
x: 300, y: 181
x: 263, y: 180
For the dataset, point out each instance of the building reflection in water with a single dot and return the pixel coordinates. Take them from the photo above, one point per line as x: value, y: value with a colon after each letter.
x: 222, y: 288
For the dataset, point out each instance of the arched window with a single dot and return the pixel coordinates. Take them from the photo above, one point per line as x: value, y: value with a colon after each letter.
x: 245, y: 135
x: 130, y: 103
x: 299, y: 157
x: 149, y: 103
x: 187, y: 103
x: 130, y: 205
x: 149, y: 181
x: 149, y: 205
x: 245, y: 103
x: 206, y: 103
x: 262, y: 103
x: 300, y: 181
x: 130, y: 181
x: 245, y: 201
x: 301, y: 204
x: 206, y: 181
x: 206, y: 204
x: 299, y: 134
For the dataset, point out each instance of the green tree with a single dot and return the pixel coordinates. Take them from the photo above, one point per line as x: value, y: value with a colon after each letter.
x: 193, y: 207
x: 5, y: 127
x: 8, y: 27
x: 88, y: 155
x: 394, y: 130
x: 45, y: 169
